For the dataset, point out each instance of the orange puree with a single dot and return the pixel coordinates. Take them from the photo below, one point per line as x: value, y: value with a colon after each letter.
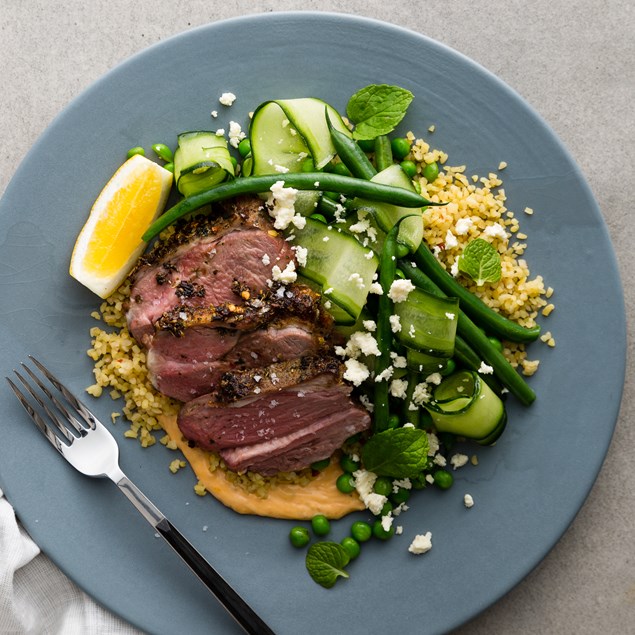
x: 284, y: 500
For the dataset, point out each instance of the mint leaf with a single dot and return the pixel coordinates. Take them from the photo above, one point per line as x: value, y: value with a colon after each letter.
x: 377, y: 109
x: 481, y: 262
x: 399, y: 453
x: 325, y: 562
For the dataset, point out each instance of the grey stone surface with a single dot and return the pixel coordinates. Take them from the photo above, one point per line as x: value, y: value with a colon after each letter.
x: 573, y: 61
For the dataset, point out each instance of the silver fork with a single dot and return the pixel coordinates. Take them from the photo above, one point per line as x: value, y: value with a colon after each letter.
x: 88, y: 446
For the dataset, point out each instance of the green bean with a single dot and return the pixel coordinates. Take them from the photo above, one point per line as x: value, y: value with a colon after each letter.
x: 411, y: 415
x: 302, y: 181
x: 351, y: 155
x: 136, y: 150
x: 477, y: 340
x: 387, y: 271
x: 383, y: 153
x: 478, y: 311
x: 367, y: 145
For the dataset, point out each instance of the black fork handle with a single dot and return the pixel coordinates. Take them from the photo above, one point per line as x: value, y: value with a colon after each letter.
x: 235, y: 605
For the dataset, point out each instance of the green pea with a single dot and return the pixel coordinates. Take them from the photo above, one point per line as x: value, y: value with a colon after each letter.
x: 351, y: 546
x: 136, y: 150
x: 308, y: 165
x: 496, y: 343
x: 402, y: 495
x: 386, y: 509
x: 163, y: 152
x: 431, y: 171
x: 400, y: 147
x: 380, y: 532
x: 394, y: 421
x: 345, y: 483
x: 443, y: 479
x: 401, y: 250
x: 450, y: 367
x: 321, y: 525
x: 409, y: 168
x: 367, y: 145
x: 169, y: 167
x: 383, y: 486
x: 340, y: 168
x: 361, y: 531
x: 318, y: 466
x: 244, y: 148
x: 348, y: 464
x: 299, y: 536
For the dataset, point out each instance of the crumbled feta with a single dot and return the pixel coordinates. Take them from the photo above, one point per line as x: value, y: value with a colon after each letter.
x: 361, y: 343
x: 400, y: 290
x: 364, y: 481
x: 484, y: 369
x: 495, y: 230
x: 411, y: 331
x: 370, y: 255
x: 463, y: 226
x: 450, y: 240
x: 458, y: 460
x: 421, y: 543
x: 429, y: 479
x: 398, y: 388
x: 236, y: 134
x: 366, y: 402
x: 439, y: 460
x: 435, y: 379
x: 450, y: 316
x: 285, y: 276
x: 357, y: 280
x: 369, y: 325
x: 281, y: 206
x: 454, y: 268
x: 355, y: 372
x: 395, y: 323
x: 468, y: 501
x: 266, y: 260
x: 220, y: 132
x: 386, y: 522
x: 280, y: 169
x: 420, y: 394
x: 214, y: 113
x: 301, y: 254
x: 385, y: 375
x: 398, y: 361
x: 398, y: 530
x: 375, y: 288
x: 227, y: 99
x: 433, y: 443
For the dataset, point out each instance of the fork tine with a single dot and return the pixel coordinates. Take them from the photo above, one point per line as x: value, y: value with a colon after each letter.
x: 86, y: 414
x: 52, y: 415
x: 61, y: 407
x: 39, y: 421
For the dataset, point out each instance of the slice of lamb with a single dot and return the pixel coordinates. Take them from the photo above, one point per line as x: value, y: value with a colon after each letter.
x: 186, y: 367
x: 283, y: 419
x: 203, y: 260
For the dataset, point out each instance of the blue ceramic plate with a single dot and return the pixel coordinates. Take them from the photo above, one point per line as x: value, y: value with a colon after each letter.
x: 521, y: 510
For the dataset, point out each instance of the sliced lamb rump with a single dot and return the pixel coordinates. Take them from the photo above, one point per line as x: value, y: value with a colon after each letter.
x: 276, y: 419
x: 192, y: 365
x: 194, y: 346
x: 202, y: 262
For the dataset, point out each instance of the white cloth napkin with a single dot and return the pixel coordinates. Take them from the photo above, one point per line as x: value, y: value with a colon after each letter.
x: 36, y: 598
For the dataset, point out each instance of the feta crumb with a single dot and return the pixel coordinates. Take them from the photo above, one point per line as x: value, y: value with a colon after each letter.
x: 386, y: 522
x: 266, y: 260
x: 459, y: 460
x: 495, y: 231
x: 284, y: 276
x: 301, y: 254
x: 395, y: 323
x: 214, y: 113
x: 398, y: 388
x: 236, y: 134
x: 454, y: 268
x: 364, y: 481
x: 355, y: 372
x: 435, y: 379
x: 370, y: 255
x: 369, y: 325
x: 366, y: 402
x: 357, y: 280
x: 420, y: 393
x: 227, y: 99
x: 450, y: 240
x: 280, y: 168
x: 281, y: 202
x: 450, y: 316
x: 433, y: 443
x: 411, y: 331
x: 398, y: 361
x: 439, y: 460
x: 463, y: 226
x: 421, y: 543
x: 385, y: 375
x: 398, y: 530
x: 375, y: 288
x: 220, y: 132
x: 429, y: 479
x: 484, y: 369
x: 400, y: 290
x: 468, y: 501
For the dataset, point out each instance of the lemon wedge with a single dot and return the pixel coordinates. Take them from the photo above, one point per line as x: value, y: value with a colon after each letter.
x: 110, y: 242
